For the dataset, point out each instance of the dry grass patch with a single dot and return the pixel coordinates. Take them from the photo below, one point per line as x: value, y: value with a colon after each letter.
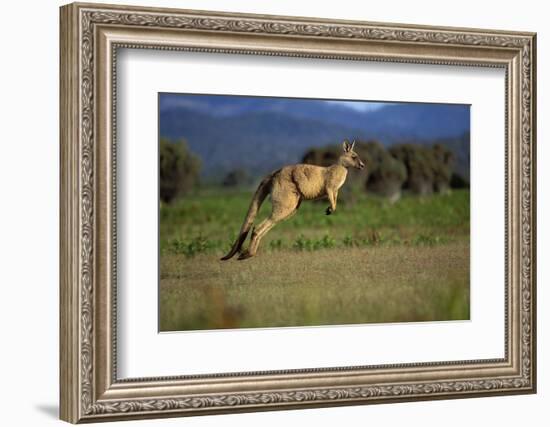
x: 342, y: 285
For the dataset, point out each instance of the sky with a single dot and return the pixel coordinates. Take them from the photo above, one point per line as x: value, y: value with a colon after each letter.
x: 360, y: 106
x: 232, y: 104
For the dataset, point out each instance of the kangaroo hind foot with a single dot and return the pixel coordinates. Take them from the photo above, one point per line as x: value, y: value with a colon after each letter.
x: 244, y: 255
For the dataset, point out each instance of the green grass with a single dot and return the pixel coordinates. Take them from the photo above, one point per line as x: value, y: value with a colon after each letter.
x: 214, y: 219
x: 371, y: 261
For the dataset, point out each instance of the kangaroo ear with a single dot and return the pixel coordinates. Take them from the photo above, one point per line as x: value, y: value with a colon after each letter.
x: 352, y: 145
x: 346, y: 145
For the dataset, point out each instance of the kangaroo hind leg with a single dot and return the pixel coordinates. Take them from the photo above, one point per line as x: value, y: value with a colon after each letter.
x: 257, y: 234
x: 279, y: 213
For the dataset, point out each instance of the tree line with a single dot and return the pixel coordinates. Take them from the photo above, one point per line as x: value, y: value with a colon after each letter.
x: 413, y: 167
x: 417, y: 168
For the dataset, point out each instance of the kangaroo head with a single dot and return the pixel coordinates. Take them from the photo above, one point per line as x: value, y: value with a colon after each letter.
x: 350, y: 159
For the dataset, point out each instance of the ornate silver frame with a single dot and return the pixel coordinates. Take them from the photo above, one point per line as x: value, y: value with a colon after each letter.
x: 90, y: 36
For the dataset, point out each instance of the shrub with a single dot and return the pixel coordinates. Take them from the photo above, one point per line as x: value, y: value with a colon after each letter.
x: 442, y: 162
x: 179, y: 169
x: 236, y: 178
x: 303, y: 243
x: 429, y: 169
x: 458, y: 181
x: 192, y: 247
x: 386, y: 174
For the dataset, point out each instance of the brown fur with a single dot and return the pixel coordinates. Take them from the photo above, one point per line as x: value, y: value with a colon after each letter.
x: 288, y: 187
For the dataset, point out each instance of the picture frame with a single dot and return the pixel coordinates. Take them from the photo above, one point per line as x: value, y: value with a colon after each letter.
x: 91, y: 34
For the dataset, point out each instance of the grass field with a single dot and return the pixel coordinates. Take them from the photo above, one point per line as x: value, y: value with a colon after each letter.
x: 371, y: 261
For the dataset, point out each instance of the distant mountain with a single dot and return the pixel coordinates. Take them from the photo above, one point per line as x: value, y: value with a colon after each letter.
x: 259, y: 142
x: 262, y: 134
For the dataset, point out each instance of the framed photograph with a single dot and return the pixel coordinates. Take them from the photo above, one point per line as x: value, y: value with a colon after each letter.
x: 267, y: 212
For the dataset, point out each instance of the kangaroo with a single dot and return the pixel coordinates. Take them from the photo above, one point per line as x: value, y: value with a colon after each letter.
x: 288, y: 187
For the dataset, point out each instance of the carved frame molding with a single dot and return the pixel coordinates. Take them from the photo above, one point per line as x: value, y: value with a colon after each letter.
x: 90, y: 37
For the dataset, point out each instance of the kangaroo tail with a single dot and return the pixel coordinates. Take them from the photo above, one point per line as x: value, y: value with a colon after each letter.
x: 261, y: 193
